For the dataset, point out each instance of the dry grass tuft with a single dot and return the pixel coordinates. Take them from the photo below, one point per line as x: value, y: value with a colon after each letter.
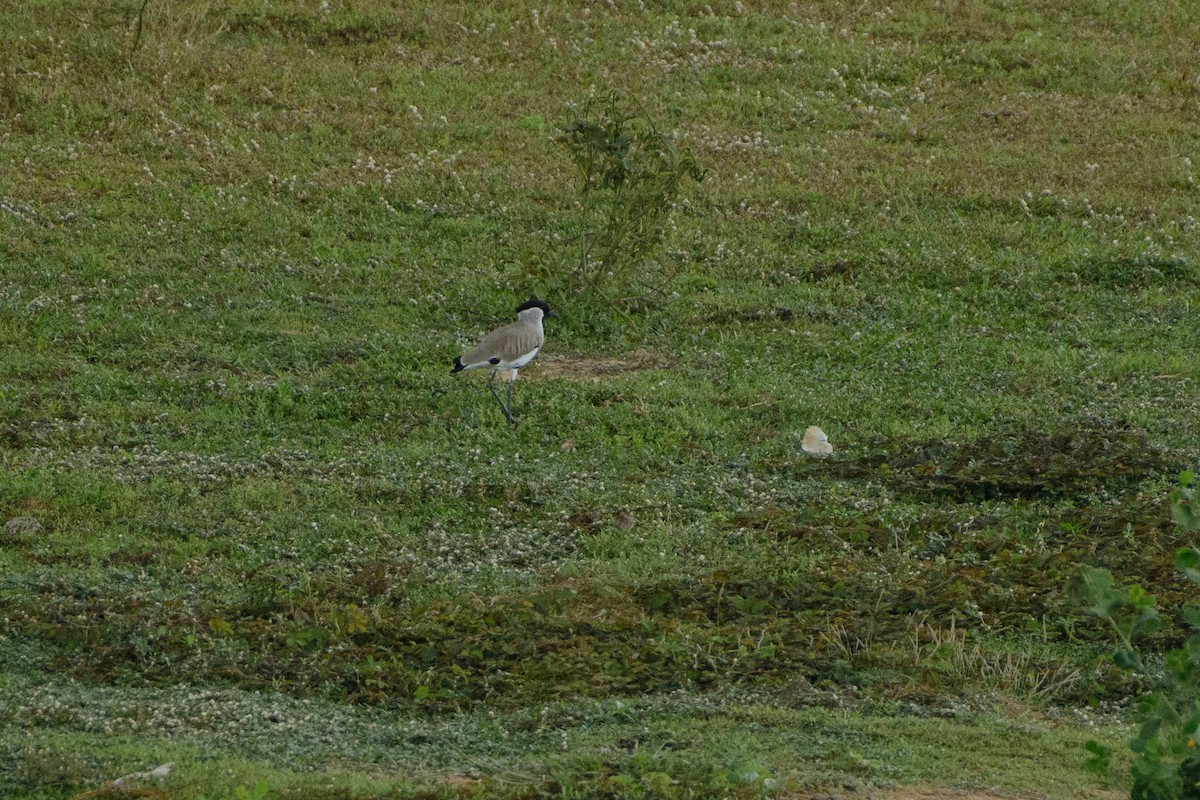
x: 574, y: 366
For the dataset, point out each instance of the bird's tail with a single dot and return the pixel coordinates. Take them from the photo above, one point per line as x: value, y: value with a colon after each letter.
x: 458, y: 365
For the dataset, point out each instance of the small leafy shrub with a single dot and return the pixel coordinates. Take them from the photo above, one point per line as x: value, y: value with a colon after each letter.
x: 1184, y: 506
x: 1166, y: 754
x: 629, y: 174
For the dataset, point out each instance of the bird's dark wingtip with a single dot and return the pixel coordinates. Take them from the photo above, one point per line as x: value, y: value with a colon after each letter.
x: 458, y: 365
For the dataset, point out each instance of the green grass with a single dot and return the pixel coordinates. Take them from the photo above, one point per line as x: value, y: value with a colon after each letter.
x: 238, y: 253
x: 680, y: 742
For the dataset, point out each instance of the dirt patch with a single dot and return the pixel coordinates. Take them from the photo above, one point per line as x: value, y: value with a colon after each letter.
x: 580, y: 367
x: 828, y: 269
x: 1073, y: 459
x: 458, y: 781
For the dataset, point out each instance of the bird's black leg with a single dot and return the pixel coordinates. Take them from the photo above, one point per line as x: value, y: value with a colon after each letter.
x: 492, y: 387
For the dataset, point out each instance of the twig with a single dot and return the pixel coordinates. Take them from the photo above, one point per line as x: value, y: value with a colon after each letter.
x: 137, y: 33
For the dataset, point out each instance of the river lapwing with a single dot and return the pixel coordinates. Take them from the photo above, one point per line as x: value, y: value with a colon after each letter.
x: 509, y: 348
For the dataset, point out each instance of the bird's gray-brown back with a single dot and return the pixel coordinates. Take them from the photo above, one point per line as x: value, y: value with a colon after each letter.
x: 508, y: 343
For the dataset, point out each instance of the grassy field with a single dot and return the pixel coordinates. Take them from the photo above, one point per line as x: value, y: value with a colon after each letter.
x: 279, y: 545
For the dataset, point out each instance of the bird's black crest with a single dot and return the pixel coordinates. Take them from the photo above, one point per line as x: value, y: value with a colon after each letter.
x: 533, y: 302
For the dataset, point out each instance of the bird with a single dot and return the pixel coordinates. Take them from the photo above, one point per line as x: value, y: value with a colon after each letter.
x: 509, y: 348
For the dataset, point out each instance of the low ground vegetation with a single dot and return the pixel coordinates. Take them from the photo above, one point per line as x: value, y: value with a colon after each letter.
x: 272, y: 540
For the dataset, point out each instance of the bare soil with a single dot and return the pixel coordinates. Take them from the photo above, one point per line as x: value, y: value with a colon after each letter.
x: 581, y: 367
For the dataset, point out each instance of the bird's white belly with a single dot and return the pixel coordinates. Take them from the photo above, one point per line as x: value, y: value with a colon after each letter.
x: 520, y: 361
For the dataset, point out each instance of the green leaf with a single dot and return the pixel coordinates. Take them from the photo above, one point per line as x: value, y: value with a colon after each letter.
x: 1187, y: 558
x: 1148, y: 621
x: 1125, y: 658
x: 1140, y: 598
x: 1178, y: 663
x: 1185, y: 514
x: 220, y: 626
x: 1155, y: 780
x: 1094, y: 586
x: 1101, y: 758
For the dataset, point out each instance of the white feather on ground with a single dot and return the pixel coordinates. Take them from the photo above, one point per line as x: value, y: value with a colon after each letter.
x: 816, y: 442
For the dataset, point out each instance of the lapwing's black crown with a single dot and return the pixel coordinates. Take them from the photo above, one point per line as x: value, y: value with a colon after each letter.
x: 533, y: 302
